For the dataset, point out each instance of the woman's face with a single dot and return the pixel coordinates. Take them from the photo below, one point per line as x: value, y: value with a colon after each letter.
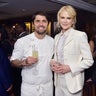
x: 65, y: 20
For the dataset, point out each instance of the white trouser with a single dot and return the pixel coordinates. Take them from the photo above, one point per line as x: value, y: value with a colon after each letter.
x: 37, y: 90
x: 61, y: 89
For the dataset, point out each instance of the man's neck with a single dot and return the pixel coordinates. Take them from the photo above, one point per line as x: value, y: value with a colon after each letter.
x: 40, y: 36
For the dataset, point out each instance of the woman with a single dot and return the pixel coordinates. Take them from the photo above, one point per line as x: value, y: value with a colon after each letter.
x: 90, y: 73
x: 5, y: 74
x: 72, y: 55
x: 5, y: 42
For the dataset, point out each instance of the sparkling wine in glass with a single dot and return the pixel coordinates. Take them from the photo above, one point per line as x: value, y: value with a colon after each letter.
x: 34, y: 51
x: 35, y: 55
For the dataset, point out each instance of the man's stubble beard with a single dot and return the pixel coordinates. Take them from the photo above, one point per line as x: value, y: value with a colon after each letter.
x: 41, y: 33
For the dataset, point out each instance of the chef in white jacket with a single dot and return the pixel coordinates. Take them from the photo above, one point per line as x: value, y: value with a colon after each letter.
x: 33, y: 53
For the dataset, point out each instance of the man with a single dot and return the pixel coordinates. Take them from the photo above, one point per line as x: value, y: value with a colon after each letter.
x: 20, y: 29
x: 36, y: 73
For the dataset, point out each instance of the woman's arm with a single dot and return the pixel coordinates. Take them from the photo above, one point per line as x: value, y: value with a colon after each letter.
x: 91, y: 43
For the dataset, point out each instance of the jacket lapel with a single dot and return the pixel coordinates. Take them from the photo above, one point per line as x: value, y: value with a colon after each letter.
x: 70, y: 37
x: 57, y: 39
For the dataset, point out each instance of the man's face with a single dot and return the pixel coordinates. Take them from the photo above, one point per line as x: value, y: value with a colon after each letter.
x: 40, y: 24
x: 19, y: 29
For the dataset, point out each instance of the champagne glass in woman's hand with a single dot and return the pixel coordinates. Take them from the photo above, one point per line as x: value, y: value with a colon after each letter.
x: 54, y: 65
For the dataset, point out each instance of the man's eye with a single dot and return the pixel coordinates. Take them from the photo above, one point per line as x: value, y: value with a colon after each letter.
x: 44, y: 21
x: 37, y: 21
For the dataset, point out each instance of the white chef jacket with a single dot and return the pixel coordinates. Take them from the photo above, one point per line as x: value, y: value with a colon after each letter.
x: 40, y: 72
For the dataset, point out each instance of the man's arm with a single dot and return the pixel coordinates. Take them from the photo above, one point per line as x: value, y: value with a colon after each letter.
x: 26, y: 62
x: 18, y: 63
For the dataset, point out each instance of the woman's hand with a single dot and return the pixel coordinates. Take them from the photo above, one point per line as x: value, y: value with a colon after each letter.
x: 62, y: 69
x: 10, y: 91
x: 59, y: 68
x: 54, y: 65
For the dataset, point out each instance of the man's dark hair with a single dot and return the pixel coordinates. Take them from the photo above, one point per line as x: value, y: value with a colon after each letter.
x: 22, y: 24
x: 42, y: 13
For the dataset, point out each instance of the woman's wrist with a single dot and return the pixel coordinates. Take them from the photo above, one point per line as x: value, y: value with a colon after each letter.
x: 10, y: 90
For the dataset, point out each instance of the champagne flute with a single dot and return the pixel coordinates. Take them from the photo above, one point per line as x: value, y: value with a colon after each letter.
x: 35, y: 52
x: 35, y: 55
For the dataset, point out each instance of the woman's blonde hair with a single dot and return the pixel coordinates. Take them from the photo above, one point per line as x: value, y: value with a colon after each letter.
x: 71, y: 11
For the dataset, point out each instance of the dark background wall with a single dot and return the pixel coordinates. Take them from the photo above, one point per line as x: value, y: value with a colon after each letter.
x: 83, y: 17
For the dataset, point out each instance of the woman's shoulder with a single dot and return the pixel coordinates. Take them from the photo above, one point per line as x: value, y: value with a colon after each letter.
x: 78, y: 33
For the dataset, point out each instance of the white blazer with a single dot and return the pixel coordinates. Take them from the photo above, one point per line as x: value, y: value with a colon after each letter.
x: 77, y: 55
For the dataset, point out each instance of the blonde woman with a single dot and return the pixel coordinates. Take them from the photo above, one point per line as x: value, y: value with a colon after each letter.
x: 72, y: 55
